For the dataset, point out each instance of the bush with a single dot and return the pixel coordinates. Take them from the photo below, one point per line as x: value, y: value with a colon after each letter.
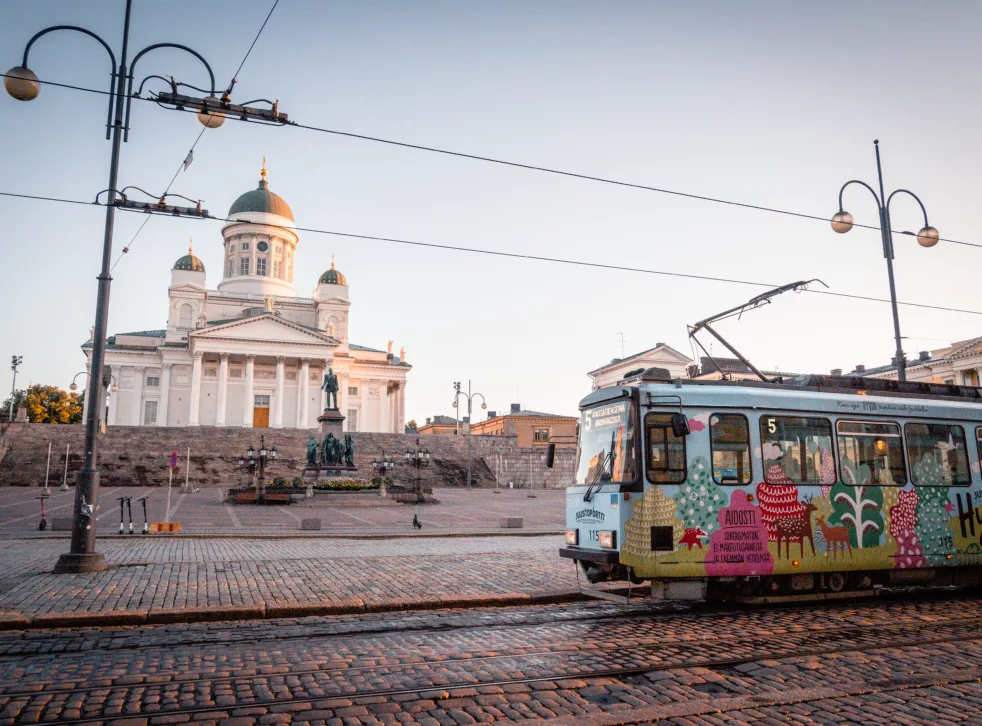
x: 298, y: 481
x: 382, y: 481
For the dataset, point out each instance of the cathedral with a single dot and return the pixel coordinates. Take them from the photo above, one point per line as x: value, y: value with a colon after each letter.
x: 252, y: 353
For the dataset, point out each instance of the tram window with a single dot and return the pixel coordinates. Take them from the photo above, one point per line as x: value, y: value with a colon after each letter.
x: 666, y: 452
x: 978, y: 443
x: 871, y: 453
x: 797, y: 450
x: 938, y: 455
x: 729, y: 436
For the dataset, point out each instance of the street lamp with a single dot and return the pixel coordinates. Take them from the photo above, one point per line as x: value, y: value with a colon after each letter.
x: 928, y: 236
x: 258, y: 463
x: 383, y: 464
x: 109, y: 385
x: 470, y: 399
x: 23, y: 84
x: 15, y: 360
x: 418, y: 459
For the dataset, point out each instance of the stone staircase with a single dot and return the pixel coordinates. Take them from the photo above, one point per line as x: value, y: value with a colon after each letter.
x: 140, y: 455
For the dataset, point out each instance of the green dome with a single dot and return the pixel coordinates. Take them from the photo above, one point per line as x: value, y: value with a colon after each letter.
x: 333, y: 277
x: 190, y: 263
x: 261, y: 199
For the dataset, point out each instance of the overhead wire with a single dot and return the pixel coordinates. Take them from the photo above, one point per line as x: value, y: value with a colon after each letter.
x: 558, y: 172
x: 129, y: 246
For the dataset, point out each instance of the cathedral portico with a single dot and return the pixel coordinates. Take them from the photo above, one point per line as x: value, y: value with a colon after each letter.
x: 252, y: 353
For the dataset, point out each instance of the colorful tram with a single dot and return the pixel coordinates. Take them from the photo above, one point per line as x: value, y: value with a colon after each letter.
x: 816, y: 485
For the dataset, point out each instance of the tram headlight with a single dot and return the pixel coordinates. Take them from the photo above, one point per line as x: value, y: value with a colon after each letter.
x: 572, y: 536
x: 608, y: 539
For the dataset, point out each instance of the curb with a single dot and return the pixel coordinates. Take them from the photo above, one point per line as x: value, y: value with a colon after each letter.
x: 263, y: 611
x: 298, y: 535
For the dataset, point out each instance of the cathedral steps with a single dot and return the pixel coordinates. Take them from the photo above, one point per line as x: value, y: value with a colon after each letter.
x: 140, y: 455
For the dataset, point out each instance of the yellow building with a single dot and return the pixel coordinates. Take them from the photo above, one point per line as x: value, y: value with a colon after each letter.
x: 530, y: 428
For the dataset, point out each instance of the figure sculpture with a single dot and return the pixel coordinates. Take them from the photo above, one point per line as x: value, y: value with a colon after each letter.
x: 332, y: 452
x: 331, y: 386
x: 311, y: 451
x: 349, y: 450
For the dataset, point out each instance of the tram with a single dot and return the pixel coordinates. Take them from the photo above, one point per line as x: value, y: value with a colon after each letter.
x: 817, y: 485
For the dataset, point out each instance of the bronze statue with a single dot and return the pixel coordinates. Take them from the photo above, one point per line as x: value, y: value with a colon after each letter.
x: 332, y: 452
x: 349, y: 450
x: 331, y: 386
x: 312, y: 451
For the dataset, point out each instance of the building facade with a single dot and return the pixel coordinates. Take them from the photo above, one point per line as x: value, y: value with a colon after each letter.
x: 959, y: 364
x: 661, y: 356
x: 252, y: 353
x: 530, y: 428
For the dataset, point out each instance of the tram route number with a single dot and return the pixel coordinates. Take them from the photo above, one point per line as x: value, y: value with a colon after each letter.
x: 594, y: 535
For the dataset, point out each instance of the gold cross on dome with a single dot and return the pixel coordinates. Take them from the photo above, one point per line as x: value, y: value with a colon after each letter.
x: 263, y: 172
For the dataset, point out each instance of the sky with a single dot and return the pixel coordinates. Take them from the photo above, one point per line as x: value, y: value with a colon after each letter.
x: 768, y: 103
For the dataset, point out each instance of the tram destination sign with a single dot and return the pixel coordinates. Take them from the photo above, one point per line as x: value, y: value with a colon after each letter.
x: 605, y: 416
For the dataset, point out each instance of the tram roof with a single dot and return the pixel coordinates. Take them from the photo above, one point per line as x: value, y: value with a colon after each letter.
x: 831, y: 394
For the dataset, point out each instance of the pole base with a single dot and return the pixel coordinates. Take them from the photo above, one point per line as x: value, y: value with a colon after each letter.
x: 73, y: 563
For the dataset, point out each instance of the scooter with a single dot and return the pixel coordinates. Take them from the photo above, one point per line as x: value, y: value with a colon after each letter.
x: 43, y: 524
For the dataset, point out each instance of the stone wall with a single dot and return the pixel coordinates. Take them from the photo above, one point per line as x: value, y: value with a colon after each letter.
x: 524, y: 464
x: 140, y: 455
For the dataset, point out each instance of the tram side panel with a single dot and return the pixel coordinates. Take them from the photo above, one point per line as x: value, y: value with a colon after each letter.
x: 769, y: 524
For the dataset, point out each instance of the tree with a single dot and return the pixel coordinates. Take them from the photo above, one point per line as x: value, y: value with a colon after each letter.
x: 699, y: 498
x: 858, y: 506
x: 411, y: 426
x: 17, y: 400
x: 933, y: 533
x: 46, y: 404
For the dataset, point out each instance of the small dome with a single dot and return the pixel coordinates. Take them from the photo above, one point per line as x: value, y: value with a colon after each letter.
x: 189, y: 262
x: 332, y: 276
x: 262, y: 200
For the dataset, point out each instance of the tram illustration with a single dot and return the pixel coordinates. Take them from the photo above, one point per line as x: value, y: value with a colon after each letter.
x: 817, y: 485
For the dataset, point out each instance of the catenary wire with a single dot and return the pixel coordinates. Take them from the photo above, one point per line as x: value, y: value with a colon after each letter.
x: 558, y: 172
x: 129, y: 246
x: 541, y: 258
x: 49, y: 199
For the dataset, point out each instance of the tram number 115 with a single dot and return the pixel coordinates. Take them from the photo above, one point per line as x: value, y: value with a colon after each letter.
x: 594, y: 535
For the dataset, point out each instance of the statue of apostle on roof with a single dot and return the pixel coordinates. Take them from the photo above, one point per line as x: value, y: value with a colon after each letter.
x: 331, y: 386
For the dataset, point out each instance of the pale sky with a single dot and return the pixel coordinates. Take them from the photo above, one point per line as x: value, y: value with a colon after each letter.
x: 769, y: 103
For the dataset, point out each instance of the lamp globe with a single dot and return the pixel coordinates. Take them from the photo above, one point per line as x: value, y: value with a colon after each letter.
x: 22, y: 83
x: 212, y: 119
x: 842, y: 222
x: 928, y: 237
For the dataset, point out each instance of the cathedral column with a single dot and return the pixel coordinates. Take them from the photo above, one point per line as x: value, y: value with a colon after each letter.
x: 222, y: 390
x: 249, y: 402
x: 383, y: 407
x: 304, y: 421
x: 343, y: 398
x: 164, y: 394
x: 195, y: 389
x: 138, y: 394
x: 363, y: 413
x: 277, y: 422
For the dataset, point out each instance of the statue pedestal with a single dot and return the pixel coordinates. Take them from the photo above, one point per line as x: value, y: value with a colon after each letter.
x: 330, y: 422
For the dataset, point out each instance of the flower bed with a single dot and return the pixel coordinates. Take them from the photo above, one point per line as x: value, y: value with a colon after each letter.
x: 345, y: 485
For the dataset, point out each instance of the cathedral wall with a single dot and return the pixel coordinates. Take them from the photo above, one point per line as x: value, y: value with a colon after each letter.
x: 235, y: 405
x: 208, y: 406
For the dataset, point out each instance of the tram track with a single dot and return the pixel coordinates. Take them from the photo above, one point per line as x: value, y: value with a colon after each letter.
x: 759, y: 700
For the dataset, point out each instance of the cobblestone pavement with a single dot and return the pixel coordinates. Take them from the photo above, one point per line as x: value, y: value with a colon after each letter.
x: 901, y: 659
x: 203, y: 512
x: 160, y: 579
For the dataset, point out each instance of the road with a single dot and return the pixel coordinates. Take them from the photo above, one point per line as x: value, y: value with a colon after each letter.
x: 897, y: 659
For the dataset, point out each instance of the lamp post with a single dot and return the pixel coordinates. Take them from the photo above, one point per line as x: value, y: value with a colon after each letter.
x: 383, y: 464
x: 418, y: 459
x: 470, y: 400
x: 928, y: 236
x: 109, y: 385
x: 22, y: 83
x: 15, y: 360
x: 258, y: 461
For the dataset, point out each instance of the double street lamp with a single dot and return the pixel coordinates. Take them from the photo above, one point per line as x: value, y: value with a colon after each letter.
x: 383, y: 464
x: 418, y: 460
x: 258, y: 461
x: 470, y: 400
x: 109, y: 385
x: 23, y: 84
x: 928, y: 236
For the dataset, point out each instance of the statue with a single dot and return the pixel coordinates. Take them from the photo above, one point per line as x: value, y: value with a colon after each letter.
x: 312, y: 452
x: 331, y: 386
x: 332, y: 452
x: 349, y: 450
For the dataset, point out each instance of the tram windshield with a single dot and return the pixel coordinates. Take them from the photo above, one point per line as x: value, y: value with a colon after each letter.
x: 607, y: 445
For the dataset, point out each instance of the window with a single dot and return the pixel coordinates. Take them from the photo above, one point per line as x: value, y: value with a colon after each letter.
x: 153, y: 381
x: 797, y: 450
x: 352, y: 419
x: 260, y: 265
x: 938, y: 455
x: 184, y: 322
x: 279, y: 249
x: 262, y: 246
x: 541, y: 435
x: 276, y: 268
x: 244, y: 266
x: 666, y: 452
x: 352, y: 390
x: 245, y: 246
x: 607, y: 448
x: 978, y: 442
x: 729, y: 436
x: 871, y: 453
x: 231, y: 249
x: 262, y: 401
x: 150, y: 413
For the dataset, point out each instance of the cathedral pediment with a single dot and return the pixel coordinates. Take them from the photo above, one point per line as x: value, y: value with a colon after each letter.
x: 264, y: 328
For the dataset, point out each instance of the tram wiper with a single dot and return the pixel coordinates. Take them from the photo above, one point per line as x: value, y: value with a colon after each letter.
x: 763, y: 299
x: 605, y: 471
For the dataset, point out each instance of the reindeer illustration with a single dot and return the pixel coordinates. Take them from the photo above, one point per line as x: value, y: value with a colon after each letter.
x: 836, y: 538
x: 796, y: 529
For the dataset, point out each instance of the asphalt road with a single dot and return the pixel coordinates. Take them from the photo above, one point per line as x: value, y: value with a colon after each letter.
x: 900, y: 659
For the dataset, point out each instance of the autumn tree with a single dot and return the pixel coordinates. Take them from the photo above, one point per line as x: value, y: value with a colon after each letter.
x: 411, y: 426
x: 46, y: 404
